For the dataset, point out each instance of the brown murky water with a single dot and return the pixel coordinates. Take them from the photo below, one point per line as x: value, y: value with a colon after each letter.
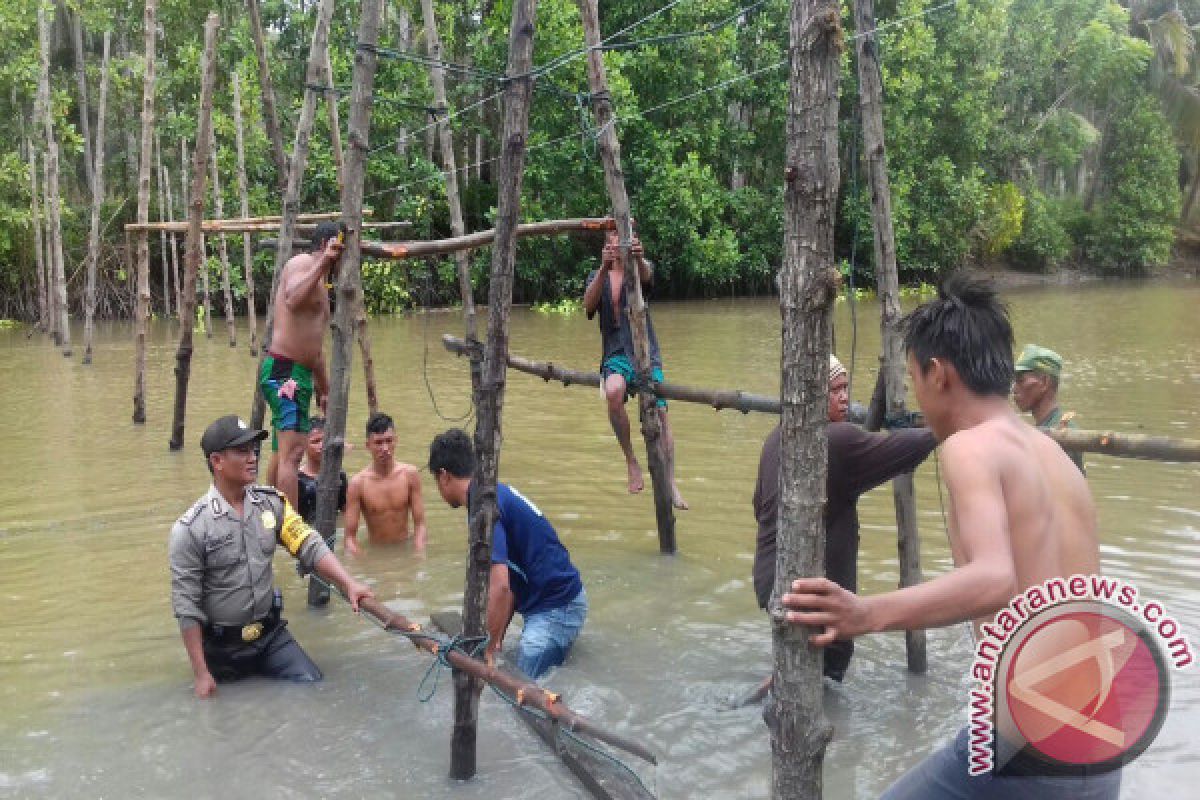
x: 95, y: 687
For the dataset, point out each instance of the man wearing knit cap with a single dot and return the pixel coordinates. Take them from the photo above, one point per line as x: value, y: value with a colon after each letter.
x: 858, y: 462
x: 1035, y: 390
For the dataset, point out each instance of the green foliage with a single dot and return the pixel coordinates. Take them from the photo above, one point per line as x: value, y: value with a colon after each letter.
x: 1000, y: 223
x: 386, y: 286
x: 1044, y: 242
x: 566, y: 307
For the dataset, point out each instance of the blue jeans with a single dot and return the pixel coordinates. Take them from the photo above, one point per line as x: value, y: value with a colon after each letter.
x: 548, y: 636
x: 943, y: 776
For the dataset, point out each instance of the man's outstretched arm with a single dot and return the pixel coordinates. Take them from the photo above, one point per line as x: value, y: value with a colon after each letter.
x: 981, y: 583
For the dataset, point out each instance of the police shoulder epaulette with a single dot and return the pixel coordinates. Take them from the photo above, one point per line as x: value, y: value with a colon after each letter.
x: 264, y: 489
x: 190, y: 515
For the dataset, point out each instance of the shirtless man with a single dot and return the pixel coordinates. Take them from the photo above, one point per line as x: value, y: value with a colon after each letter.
x: 1020, y: 513
x: 385, y: 492
x: 605, y: 294
x: 294, y: 368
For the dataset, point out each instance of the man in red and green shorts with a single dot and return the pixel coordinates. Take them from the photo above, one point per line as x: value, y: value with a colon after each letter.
x: 605, y: 294
x: 293, y: 372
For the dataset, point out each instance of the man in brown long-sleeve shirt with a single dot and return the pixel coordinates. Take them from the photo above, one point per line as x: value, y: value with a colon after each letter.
x: 858, y: 462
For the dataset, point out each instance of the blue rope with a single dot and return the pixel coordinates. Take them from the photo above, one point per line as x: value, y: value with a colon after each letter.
x: 441, y: 660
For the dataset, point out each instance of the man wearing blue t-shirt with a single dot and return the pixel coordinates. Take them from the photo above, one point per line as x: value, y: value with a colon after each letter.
x: 531, y: 571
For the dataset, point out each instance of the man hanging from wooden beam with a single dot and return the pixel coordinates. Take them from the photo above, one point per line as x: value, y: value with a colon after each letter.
x: 605, y: 294
x: 293, y: 370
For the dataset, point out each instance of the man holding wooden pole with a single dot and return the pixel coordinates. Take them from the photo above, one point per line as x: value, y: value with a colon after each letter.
x: 293, y: 370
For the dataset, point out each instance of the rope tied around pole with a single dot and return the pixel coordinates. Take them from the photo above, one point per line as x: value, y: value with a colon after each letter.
x: 441, y: 653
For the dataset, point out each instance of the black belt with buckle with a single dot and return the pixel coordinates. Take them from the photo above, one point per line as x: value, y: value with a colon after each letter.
x: 245, y: 634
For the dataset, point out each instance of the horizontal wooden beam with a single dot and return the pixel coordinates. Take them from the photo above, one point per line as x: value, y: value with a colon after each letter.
x: 1121, y: 445
x: 397, y: 251
x: 234, y: 225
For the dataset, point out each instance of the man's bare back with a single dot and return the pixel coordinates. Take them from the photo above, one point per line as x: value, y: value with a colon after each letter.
x: 301, y: 311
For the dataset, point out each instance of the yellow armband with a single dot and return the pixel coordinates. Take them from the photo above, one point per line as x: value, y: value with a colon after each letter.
x: 295, y: 531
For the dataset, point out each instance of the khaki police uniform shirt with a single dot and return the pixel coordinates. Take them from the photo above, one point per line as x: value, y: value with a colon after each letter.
x: 221, y: 562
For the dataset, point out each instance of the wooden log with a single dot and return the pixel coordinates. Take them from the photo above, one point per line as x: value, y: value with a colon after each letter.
x: 489, y: 397
x: 295, y: 180
x: 270, y: 115
x: 244, y: 198
x: 870, y: 92
x: 231, y: 226
x: 1128, y: 445
x: 222, y: 244
x: 525, y: 693
x: 587, y: 767
x: 661, y: 469
x: 458, y: 229
x: 808, y: 289
x: 145, y: 164
x: 164, y: 253
x: 349, y: 280
x: 97, y: 184
x: 719, y: 399
x: 195, y: 252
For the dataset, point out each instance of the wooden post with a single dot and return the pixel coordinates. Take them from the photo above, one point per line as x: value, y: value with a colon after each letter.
x: 462, y: 260
x: 51, y: 264
x: 222, y: 245
x: 870, y: 94
x: 808, y: 290
x: 335, y: 125
x: 295, y: 177
x: 175, y: 271
x: 93, y: 251
x: 185, y: 194
x: 614, y: 178
x: 270, y: 115
x: 60, y: 320
x: 489, y: 398
x: 349, y: 285
x: 36, y: 211
x: 164, y: 252
x: 194, y: 249
x: 143, y: 216
x: 244, y: 197
x: 76, y: 25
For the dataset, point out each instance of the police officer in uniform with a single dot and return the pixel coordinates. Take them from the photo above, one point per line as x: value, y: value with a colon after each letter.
x: 221, y: 581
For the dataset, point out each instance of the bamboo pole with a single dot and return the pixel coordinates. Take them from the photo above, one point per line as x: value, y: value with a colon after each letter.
x: 166, y: 182
x: 93, y: 251
x: 489, y: 399
x: 89, y: 164
x: 808, y: 289
x: 349, y: 281
x: 195, y: 252
x: 39, y: 253
x: 149, y: 28
x: 222, y: 245
x: 433, y: 44
x: 270, y: 115
x: 164, y: 252
x: 472, y: 241
x: 908, y: 543
x: 295, y: 177
x: 61, y: 327
x: 614, y: 179
x: 244, y: 198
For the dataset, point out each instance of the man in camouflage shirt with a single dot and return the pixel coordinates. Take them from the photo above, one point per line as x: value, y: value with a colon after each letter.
x: 220, y: 554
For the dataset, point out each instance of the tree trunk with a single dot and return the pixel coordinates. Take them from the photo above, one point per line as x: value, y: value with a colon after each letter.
x: 58, y: 282
x: 614, y: 179
x: 76, y: 24
x: 349, y: 285
x: 888, y: 285
x: 270, y: 115
x: 39, y: 253
x: 93, y: 253
x: 143, y: 216
x: 317, y: 54
x: 222, y: 245
x: 185, y: 191
x: 244, y: 196
x: 195, y: 252
x: 51, y: 273
x: 169, y: 265
x: 462, y: 260
x: 808, y: 289
x: 166, y: 182
x: 335, y: 125
x: 489, y: 399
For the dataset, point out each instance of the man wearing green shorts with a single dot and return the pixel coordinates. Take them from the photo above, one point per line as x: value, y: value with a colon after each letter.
x: 605, y: 294
x: 293, y: 372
